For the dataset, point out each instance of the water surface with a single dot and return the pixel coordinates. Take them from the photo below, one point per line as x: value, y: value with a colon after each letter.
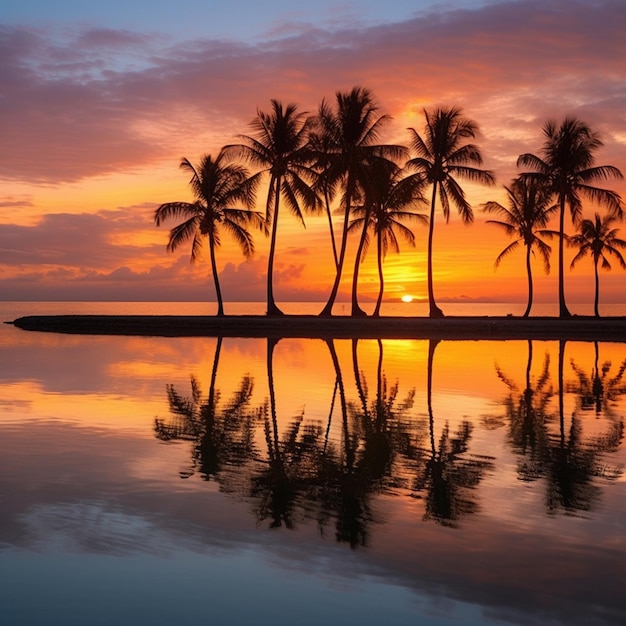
x: 160, y: 480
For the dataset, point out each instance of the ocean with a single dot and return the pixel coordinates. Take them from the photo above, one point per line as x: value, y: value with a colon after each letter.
x: 11, y: 310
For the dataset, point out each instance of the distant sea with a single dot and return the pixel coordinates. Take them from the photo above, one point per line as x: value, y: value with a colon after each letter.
x: 12, y: 310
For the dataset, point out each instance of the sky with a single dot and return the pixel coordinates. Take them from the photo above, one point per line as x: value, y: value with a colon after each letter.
x: 99, y: 103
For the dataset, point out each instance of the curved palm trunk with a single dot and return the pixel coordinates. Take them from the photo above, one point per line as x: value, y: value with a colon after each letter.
x: 342, y: 391
x: 561, y: 392
x: 435, y: 311
x: 381, y: 278
x: 271, y: 344
x: 530, y: 282
x: 380, y: 415
x: 331, y: 229
x: 216, y: 280
x: 357, y: 311
x: 216, y: 360
x: 272, y: 309
x: 432, y: 344
x: 563, y: 310
x: 596, y: 300
x: 328, y: 309
x: 357, y: 377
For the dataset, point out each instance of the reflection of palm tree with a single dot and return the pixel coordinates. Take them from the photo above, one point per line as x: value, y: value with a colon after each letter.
x: 443, y: 156
x: 387, y: 202
x: 573, y: 463
x: 222, y: 435
x: 597, y: 390
x: 526, y: 217
x: 350, y: 134
x: 281, y: 147
x: 597, y: 238
x: 528, y: 415
x: 382, y: 421
x: 567, y: 167
x: 216, y: 185
x: 449, y: 475
x: 569, y: 463
x: 349, y: 475
x: 289, y: 471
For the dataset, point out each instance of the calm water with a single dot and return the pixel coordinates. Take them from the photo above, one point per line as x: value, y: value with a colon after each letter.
x: 182, y: 480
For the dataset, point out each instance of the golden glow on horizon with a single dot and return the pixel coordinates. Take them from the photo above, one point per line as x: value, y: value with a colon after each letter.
x: 407, y: 298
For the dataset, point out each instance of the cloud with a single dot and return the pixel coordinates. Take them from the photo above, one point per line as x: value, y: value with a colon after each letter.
x: 78, y: 240
x: 107, y: 100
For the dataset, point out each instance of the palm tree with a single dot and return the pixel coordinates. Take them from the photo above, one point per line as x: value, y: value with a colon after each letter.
x: 388, y: 199
x: 350, y: 139
x: 526, y: 217
x: 222, y: 433
x: 443, y: 155
x: 528, y: 415
x: 216, y: 186
x: 566, y: 165
x: 450, y: 475
x: 597, y: 238
x: 280, y: 146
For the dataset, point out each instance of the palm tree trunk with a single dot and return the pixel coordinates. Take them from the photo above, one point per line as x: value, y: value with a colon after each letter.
x: 357, y: 311
x: 357, y: 377
x: 381, y: 277
x: 563, y: 310
x: 331, y: 229
x: 216, y: 360
x: 272, y: 309
x: 216, y: 280
x: 432, y: 344
x: 596, y: 300
x: 530, y: 282
x: 328, y: 309
x: 435, y: 311
x: 271, y: 343
x: 561, y: 392
x: 342, y: 392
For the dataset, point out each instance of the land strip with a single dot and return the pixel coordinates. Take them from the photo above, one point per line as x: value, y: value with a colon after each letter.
x: 577, y: 328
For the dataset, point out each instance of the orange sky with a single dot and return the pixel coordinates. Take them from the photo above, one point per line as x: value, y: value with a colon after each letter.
x: 95, y: 120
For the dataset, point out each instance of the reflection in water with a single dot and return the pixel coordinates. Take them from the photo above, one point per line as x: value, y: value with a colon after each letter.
x: 296, y: 451
x: 599, y: 390
x: 565, y: 458
x: 222, y: 435
x: 450, y: 475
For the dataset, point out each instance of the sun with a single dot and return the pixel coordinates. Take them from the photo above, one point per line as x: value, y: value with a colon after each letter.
x: 407, y: 298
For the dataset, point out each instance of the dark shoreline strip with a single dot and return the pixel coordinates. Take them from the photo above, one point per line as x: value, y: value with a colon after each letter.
x: 311, y: 326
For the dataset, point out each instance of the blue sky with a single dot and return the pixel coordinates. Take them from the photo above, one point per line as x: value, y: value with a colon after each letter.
x: 235, y: 19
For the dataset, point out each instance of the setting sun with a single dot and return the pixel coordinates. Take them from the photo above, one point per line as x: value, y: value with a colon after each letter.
x: 407, y: 298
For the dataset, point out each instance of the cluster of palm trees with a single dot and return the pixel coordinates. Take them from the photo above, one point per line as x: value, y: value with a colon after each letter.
x: 297, y: 468
x: 332, y: 162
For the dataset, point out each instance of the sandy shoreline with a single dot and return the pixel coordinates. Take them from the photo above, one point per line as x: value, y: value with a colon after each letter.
x: 579, y: 328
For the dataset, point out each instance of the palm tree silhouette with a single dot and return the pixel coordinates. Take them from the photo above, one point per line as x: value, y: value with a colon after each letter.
x: 575, y: 464
x: 598, y: 239
x: 388, y: 198
x: 566, y: 165
x: 528, y: 414
x: 216, y: 185
x: 449, y: 475
x: 350, y: 134
x: 280, y: 146
x: 598, y: 389
x: 290, y: 470
x: 222, y: 433
x: 443, y: 156
x: 526, y: 217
